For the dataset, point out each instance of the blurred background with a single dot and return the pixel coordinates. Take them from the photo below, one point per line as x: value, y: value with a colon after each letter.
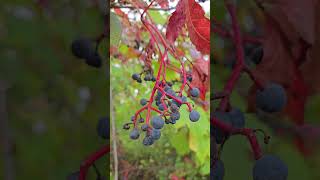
x: 52, y: 101
x: 303, y: 163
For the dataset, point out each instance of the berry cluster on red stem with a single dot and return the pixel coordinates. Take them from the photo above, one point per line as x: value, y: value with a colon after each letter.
x: 164, y: 101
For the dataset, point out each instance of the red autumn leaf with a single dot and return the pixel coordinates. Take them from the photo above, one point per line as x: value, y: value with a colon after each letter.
x: 277, y: 64
x: 200, y: 76
x: 198, y: 26
x: 310, y: 69
x: 176, y: 22
x: 280, y: 65
x: 295, y: 17
x: 191, y: 13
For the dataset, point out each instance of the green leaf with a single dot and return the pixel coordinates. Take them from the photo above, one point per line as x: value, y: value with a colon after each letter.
x: 115, y: 30
x: 180, y: 142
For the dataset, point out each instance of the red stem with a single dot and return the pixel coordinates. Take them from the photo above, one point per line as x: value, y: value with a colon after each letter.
x: 239, y: 54
x: 91, y: 159
x: 249, y: 133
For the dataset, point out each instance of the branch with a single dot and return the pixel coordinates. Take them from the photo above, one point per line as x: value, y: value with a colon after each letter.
x: 240, y: 57
x: 249, y: 133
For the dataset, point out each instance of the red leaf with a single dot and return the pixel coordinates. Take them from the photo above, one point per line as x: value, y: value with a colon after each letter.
x: 277, y: 64
x: 297, y: 97
x: 198, y: 26
x: 190, y: 12
x: 200, y: 76
x: 176, y: 22
x: 310, y: 69
x: 295, y: 17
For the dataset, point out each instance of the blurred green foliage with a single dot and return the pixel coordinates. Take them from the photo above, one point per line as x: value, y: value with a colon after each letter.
x: 54, y: 99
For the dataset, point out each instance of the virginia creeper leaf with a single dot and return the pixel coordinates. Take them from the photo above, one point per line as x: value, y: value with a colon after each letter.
x: 200, y: 76
x: 198, y: 26
x: 176, y: 22
x: 295, y: 17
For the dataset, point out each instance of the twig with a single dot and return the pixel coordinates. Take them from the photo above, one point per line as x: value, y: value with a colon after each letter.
x: 249, y: 133
x: 240, y: 56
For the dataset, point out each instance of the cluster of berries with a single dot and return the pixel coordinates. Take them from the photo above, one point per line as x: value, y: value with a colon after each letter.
x: 166, y: 102
x: 148, y: 76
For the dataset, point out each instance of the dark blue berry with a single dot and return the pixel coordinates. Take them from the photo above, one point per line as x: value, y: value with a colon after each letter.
x: 157, y: 122
x: 175, y: 116
x: 257, y: 55
x: 270, y: 167
x: 143, y: 101
x: 174, y: 107
x: 195, y: 92
x: 94, y: 60
x: 134, y: 134
x: 147, y: 77
x: 103, y: 128
x: 82, y: 48
x: 272, y: 98
x: 144, y: 127
x: 194, y: 116
x: 170, y: 92
x: 141, y: 120
x: 161, y: 107
x: 218, y: 171
x: 155, y: 134
x: 237, y: 118
x: 135, y: 76
x: 189, y: 78
x: 147, y: 141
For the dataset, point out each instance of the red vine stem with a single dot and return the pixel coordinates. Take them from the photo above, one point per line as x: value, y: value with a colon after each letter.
x: 240, y: 67
x: 164, y: 62
x: 249, y: 133
x: 91, y: 159
x: 239, y: 55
